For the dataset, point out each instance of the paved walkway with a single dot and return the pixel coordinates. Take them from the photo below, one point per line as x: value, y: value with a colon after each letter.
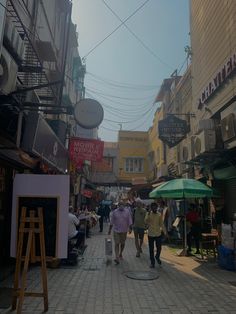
x: 184, y: 285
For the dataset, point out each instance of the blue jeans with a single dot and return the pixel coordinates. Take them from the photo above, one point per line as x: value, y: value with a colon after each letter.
x: 158, y: 243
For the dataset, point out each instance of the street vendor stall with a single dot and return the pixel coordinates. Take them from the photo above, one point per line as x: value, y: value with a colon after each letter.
x: 182, y: 189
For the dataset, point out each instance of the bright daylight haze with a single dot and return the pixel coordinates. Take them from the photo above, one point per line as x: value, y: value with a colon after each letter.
x: 125, y: 71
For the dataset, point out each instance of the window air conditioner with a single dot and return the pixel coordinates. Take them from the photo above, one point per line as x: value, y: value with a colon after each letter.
x: 8, y: 73
x: 228, y: 127
x: 32, y: 97
x: 14, y: 39
x: 204, y: 142
x: 184, y: 153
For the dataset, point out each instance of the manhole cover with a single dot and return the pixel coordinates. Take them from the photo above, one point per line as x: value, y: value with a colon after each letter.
x: 141, y: 275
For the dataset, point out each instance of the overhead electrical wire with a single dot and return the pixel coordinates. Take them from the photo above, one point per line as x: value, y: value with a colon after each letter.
x: 119, y: 111
x: 102, y: 41
x: 122, y: 115
x: 113, y: 96
x: 122, y: 85
x: 137, y: 38
x: 140, y: 89
x: 136, y: 105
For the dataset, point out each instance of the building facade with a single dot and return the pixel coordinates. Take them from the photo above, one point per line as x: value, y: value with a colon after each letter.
x: 132, y: 160
x: 213, y: 44
x: 38, y: 90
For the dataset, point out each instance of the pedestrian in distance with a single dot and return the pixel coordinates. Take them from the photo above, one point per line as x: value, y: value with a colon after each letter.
x: 73, y: 229
x: 121, y: 223
x: 194, y: 228
x: 101, y: 213
x: 139, y: 214
x: 154, y: 223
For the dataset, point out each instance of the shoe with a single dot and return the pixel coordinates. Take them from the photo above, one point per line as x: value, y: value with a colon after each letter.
x: 152, y: 266
x: 121, y: 257
x: 140, y: 250
x: 197, y: 252
x: 158, y: 260
x: 116, y: 261
x: 137, y: 254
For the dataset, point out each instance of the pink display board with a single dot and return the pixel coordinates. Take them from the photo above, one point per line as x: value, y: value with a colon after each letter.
x: 52, y: 193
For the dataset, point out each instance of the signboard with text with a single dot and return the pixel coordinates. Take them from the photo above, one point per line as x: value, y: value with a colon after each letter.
x: 81, y: 149
x: 172, y: 130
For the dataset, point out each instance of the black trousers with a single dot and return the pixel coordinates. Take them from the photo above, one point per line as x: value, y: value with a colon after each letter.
x: 158, y: 242
x: 194, y: 233
x: 101, y: 223
x: 80, y: 237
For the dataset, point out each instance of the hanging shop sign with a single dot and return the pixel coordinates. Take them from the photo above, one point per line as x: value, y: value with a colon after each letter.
x: 217, y: 80
x: 85, y: 149
x: 88, y: 113
x: 87, y: 193
x: 172, y: 130
x: 40, y: 139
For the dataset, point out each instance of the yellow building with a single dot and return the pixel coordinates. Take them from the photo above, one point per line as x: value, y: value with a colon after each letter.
x: 156, y: 153
x: 132, y: 159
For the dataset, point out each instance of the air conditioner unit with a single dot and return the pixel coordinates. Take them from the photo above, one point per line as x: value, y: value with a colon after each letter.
x: 162, y: 170
x: 13, y: 38
x: 8, y: 73
x: 206, y: 124
x: 182, y: 168
x: 204, y: 142
x: 32, y: 97
x: 184, y: 153
x: 228, y: 127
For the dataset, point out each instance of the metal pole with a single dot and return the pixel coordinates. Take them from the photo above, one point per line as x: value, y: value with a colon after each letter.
x: 19, y: 128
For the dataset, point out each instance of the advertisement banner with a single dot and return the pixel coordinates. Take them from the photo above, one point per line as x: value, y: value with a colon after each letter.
x: 85, y: 149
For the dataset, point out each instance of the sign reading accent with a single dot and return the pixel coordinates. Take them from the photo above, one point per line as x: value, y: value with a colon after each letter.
x: 172, y: 130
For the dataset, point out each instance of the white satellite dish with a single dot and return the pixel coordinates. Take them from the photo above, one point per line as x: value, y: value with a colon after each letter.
x: 88, y: 113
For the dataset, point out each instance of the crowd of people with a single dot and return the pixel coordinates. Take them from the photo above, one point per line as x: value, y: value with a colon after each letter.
x: 125, y: 217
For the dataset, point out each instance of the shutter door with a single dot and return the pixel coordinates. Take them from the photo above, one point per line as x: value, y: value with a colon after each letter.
x: 230, y: 199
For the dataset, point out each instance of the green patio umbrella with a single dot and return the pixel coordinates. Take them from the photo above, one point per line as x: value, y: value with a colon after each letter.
x: 182, y: 189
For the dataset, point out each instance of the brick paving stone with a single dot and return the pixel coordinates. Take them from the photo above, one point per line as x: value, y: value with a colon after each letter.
x: 185, y: 285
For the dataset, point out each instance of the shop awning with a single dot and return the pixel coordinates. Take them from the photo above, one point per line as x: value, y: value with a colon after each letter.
x: 225, y: 173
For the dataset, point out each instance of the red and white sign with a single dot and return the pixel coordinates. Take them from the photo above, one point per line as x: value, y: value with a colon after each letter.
x: 87, y: 193
x: 85, y: 149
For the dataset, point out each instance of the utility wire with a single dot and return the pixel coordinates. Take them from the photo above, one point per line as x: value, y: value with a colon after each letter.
x: 123, y: 87
x: 98, y: 44
x: 116, y: 83
x: 137, y: 38
x: 113, y: 96
x: 138, y: 107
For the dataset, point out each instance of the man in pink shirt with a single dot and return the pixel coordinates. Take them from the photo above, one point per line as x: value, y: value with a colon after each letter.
x: 121, y: 222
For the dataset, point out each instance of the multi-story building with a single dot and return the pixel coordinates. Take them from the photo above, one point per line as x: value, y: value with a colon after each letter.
x: 38, y: 90
x: 133, y: 153
x: 213, y: 45
x: 156, y: 152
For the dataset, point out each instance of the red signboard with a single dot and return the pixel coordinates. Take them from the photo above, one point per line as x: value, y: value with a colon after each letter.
x: 85, y: 149
x: 87, y: 193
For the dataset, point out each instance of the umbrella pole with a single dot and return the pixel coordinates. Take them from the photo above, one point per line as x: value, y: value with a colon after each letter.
x: 183, y: 252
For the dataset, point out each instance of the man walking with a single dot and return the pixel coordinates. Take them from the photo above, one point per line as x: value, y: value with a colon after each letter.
x: 154, y: 222
x: 121, y: 222
x: 139, y: 225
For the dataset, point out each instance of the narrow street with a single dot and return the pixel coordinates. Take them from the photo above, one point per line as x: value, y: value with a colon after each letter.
x: 184, y: 285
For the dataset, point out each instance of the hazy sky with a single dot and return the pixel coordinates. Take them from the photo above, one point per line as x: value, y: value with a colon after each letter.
x: 125, y: 71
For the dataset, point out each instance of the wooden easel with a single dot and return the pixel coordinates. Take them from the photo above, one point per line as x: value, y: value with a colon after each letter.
x: 30, y: 226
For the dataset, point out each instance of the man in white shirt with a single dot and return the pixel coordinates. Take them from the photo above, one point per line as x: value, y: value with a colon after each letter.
x: 73, y: 225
